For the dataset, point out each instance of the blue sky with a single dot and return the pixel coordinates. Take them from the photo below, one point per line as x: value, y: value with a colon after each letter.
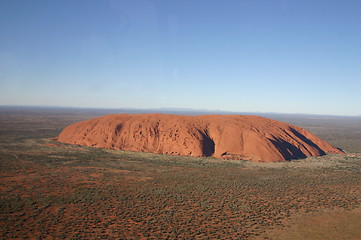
x: 245, y: 55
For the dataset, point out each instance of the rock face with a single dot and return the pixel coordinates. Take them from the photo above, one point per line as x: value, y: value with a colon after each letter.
x: 222, y: 136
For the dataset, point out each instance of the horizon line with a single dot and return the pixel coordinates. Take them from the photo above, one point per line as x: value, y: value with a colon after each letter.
x: 176, y: 109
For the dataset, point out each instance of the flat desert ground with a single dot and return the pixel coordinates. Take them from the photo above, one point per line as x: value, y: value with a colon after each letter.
x: 54, y: 190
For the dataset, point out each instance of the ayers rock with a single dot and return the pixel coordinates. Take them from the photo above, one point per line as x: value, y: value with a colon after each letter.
x: 222, y: 136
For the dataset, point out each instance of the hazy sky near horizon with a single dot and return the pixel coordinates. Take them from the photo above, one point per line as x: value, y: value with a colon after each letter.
x: 235, y: 55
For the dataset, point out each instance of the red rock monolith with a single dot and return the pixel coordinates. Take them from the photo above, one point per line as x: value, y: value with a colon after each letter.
x: 221, y: 136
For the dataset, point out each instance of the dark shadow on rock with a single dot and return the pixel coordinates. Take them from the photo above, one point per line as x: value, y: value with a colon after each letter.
x: 118, y: 128
x: 207, y: 145
x: 340, y: 149
x: 288, y: 150
x: 308, y: 141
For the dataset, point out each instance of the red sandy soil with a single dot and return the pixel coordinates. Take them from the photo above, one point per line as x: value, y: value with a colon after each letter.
x: 222, y: 136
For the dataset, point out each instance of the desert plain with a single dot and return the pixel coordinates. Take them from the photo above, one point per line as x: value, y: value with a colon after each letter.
x: 55, y: 190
